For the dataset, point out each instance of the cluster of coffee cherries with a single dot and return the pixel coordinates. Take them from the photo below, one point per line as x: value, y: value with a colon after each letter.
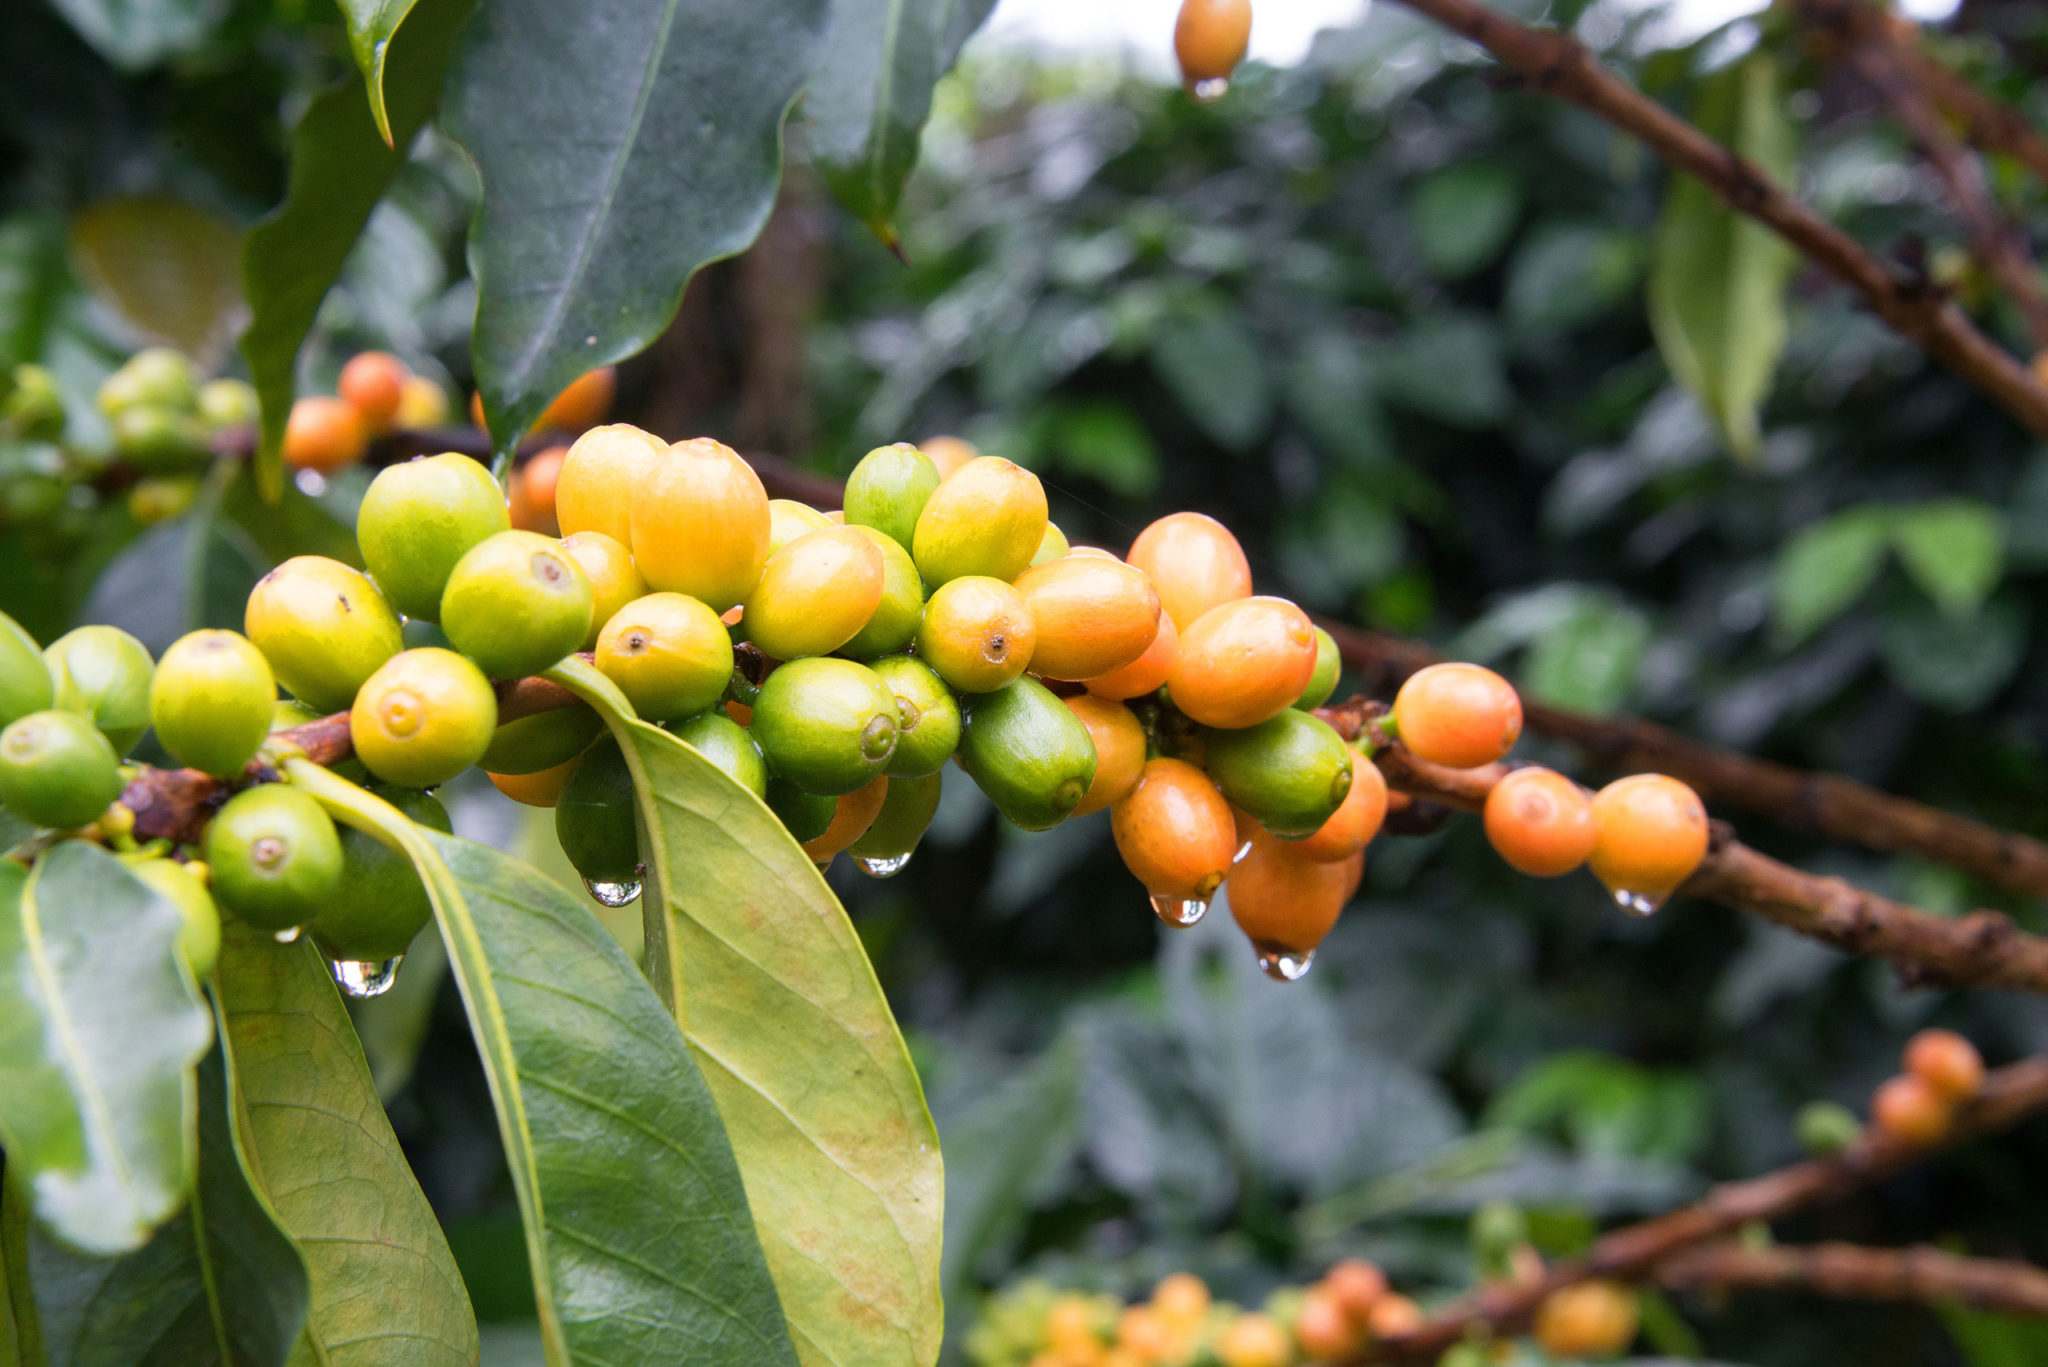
x: 1334, y: 1319
x: 1942, y: 1072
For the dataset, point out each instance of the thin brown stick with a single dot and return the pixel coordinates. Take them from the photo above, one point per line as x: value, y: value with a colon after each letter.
x: 1636, y: 1252
x: 1983, y: 949
x: 1921, y: 1275
x: 1555, y: 62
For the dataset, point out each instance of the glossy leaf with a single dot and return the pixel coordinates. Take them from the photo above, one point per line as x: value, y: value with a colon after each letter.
x: 825, y: 1111
x: 166, y: 266
x: 1718, y: 278
x: 1954, y: 548
x: 100, y: 1028
x: 385, y: 1289
x: 867, y: 104
x: 1462, y: 215
x: 140, y: 33
x: 1824, y: 569
x: 621, y: 146
x: 371, y: 26
x: 340, y: 166
x: 637, y: 1228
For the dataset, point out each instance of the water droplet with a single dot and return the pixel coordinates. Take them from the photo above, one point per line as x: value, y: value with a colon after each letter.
x: 1638, y: 904
x: 361, y: 978
x: 614, y: 894
x: 1179, y: 912
x: 288, y: 937
x: 1211, y: 89
x: 311, y: 483
x: 1242, y: 851
x: 886, y: 866
x: 1281, y: 964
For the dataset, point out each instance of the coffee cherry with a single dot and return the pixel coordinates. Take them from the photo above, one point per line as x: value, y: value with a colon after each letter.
x: 199, y: 935
x: 323, y: 627
x: 1181, y: 1299
x: 888, y: 490
x: 901, y: 609
x: 227, y: 403
x: 1357, y: 1286
x: 57, y: 769
x: 806, y: 815
x: 25, y: 685
x: 853, y: 814
x: 324, y: 434
x: 604, y: 472
x: 1052, y: 546
x: 516, y: 603
x: 1243, y: 661
x: 155, y: 377
x: 1175, y: 831
x: 614, y: 579
x: 1196, y: 564
x: 906, y: 814
x: 1119, y: 743
x: 1092, y: 614
x: 1322, y: 1328
x: 211, y: 701
x: 273, y: 856
x: 987, y: 519
x: 1540, y: 822
x: 977, y: 633
x: 928, y: 719
x: 1649, y: 834
x: 1254, y: 1340
x: 1210, y: 38
x: 1146, y: 674
x: 159, y: 498
x: 729, y: 746
x: 829, y: 726
x: 1462, y: 715
x: 1142, y: 1333
x: 1826, y: 1127
x: 1909, y: 1109
x: 538, y: 729
x: 1589, y: 1319
x: 1323, y: 682
x: 422, y: 403
x: 1391, y: 1316
x: 815, y: 594
x: 373, y: 383
x: 530, y: 493
x: 104, y: 674
x: 789, y: 519
x: 668, y: 653
x: 153, y: 438
x: 1355, y: 822
x: 418, y: 519
x: 423, y: 718
x: 1032, y: 756
x: 1291, y: 772
x: 583, y: 403
x: 540, y: 789
x: 383, y: 905
x: 1946, y: 1062
x: 949, y: 454
x: 1285, y: 904
x: 700, y: 524
x: 594, y: 817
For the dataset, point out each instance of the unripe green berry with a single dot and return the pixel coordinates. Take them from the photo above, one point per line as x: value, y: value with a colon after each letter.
x: 227, y: 403
x: 274, y: 856
x: 418, y: 519
x: 212, y: 700
x: 103, y: 673
x: 199, y: 939
x: 25, y: 685
x: 56, y: 769
x: 517, y: 603
x: 382, y: 904
x: 324, y: 628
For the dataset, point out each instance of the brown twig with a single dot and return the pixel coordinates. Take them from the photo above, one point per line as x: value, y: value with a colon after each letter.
x: 1636, y: 1252
x: 1554, y: 62
x: 1922, y: 1275
x: 1983, y: 949
x: 175, y: 804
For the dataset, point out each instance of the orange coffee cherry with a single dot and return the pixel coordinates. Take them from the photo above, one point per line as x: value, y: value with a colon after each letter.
x: 582, y: 404
x: 614, y: 580
x: 1141, y: 1331
x: 856, y: 812
x: 542, y: 789
x: 1590, y: 1319
x: 532, y: 495
x: 1908, y: 1108
x: 1182, y: 1298
x: 1458, y: 714
x: 1649, y: 834
x: 948, y: 453
x: 324, y: 434
x: 1210, y: 38
x: 1175, y: 831
x: 1323, y: 1329
x: 1254, y: 1340
x: 1358, y: 1287
x: 1946, y: 1062
x: 1093, y: 615
x: 700, y: 525
x: 1195, y: 563
x: 373, y: 383
x: 815, y: 594
x: 1286, y: 904
x: 977, y: 633
x: 604, y: 473
x: 1119, y: 749
x: 1353, y: 825
x: 1243, y: 661
x: 1392, y: 1316
x: 1146, y: 674
x: 1540, y: 822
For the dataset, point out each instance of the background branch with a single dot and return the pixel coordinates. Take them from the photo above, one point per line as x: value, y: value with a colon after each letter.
x: 1923, y: 1275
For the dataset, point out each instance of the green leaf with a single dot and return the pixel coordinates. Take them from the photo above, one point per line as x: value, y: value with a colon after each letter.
x: 384, y: 1285
x: 1955, y: 663
x: 1988, y: 1339
x: 1588, y: 661
x: 1718, y: 278
x: 34, y: 279
x: 1569, y: 274
x: 340, y: 167
x: 1448, y: 366
x: 825, y: 1112
x: 1212, y: 364
x: 1825, y: 568
x: 100, y: 1028
x: 621, y: 146
x: 140, y: 33
x: 1607, y: 1106
x: 637, y: 1229
x: 867, y: 103
x: 371, y: 26
x: 193, y: 571
x: 1462, y: 215
x: 1954, y: 548
x: 222, y: 1283
x: 166, y: 266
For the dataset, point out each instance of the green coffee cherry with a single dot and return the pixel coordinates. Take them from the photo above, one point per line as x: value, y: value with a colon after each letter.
x: 382, y: 904
x: 56, y: 769
x: 594, y: 818
x: 894, y: 624
x: 728, y: 745
x: 1291, y: 771
x: 1028, y: 751
x: 418, y: 519
x: 907, y: 810
x: 24, y: 678
x: 103, y: 673
x: 1826, y: 1127
x: 159, y: 498
x: 927, y: 716
x: 212, y: 701
x: 156, y: 377
x: 532, y: 741
x: 805, y: 815
x: 1322, y: 683
x: 517, y: 603
x: 827, y: 725
x: 1053, y: 546
x: 324, y: 628
x: 153, y: 437
x: 199, y: 938
x: 35, y: 408
x: 889, y: 488
x: 274, y: 857
x: 227, y: 403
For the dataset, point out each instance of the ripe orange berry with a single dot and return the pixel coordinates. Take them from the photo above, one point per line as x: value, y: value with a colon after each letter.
x: 583, y: 404
x: 324, y: 434
x: 541, y: 789
x: 856, y: 812
x: 1649, y: 834
x: 1590, y: 1319
x: 1254, y: 1340
x: 1119, y: 749
x: 948, y: 453
x: 1243, y: 661
x: 1141, y: 1331
x: 1358, y: 1287
x: 1093, y: 615
x: 1392, y: 1316
x: 1323, y: 1329
x: 1175, y: 831
x: 1182, y: 1298
x: 1210, y: 38
x: 700, y: 525
x: 815, y: 594
x: 1283, y: 902
x: 373, y: 383
x: 604, y: 472
x: 614, y: 580
x: 1353, y: 825
x: 1540, y: 822
x: 1946, y: 1062
x: 1195, y: 562
x: 1146, y: 674
x: 1908, y: 1108
x: 532, y: 494
x: 1458, y: 714
x: 977, y: 633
